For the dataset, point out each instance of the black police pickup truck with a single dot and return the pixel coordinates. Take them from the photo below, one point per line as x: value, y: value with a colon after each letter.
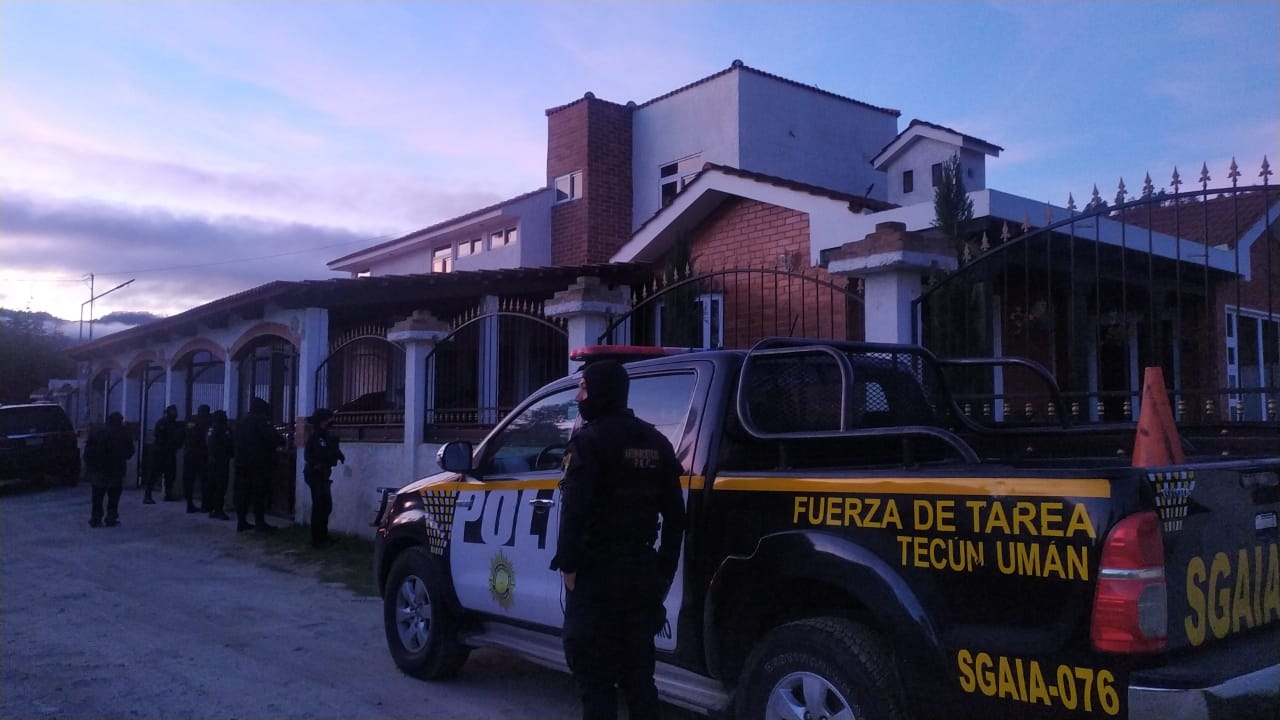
x: 859, y: 546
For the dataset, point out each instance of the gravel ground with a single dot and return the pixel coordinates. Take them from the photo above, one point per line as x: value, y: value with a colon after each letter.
x: 177, y: 616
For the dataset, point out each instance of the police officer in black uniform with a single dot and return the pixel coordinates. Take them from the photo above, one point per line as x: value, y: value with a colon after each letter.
x: 321, y: 453
x: 620, y: 475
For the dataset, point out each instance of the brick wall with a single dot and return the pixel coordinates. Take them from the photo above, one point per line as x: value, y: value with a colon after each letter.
x: 746, y: 233
x: 593, y: 136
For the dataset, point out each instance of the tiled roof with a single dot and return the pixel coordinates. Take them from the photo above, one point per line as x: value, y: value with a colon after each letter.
x: 856, y: 202
x: 389, y: 293
x: 924, y: 123
x: 1217, y: 221
x: 438, y: 226
x: 739, y: 65
x: 586, y: 96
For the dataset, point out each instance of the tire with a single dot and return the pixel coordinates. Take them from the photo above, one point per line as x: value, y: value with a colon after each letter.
x: 422, y: 632
x: 820, y: 668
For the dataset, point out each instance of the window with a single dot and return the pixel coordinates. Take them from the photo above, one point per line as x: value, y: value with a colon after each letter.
x: 702, y: 328
x: 908, y: 181
x: 474, y: 246
x: 663, y: 401
x: 937, y: 174
x: 1253, y: 363
x: 534, y: 439
x: 442, y: 259
x: 569, y: 187
x: 674, y: 176
x: 364, y: 273
x: 502, y: 238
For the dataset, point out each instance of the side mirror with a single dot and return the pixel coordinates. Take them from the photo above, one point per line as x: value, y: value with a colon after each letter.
x: 455, y: 456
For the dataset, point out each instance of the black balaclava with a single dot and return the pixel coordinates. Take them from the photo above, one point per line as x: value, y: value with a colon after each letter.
x: 607, y: 386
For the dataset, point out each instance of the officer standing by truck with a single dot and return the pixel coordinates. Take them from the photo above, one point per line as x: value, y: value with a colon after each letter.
x: 620, y: 475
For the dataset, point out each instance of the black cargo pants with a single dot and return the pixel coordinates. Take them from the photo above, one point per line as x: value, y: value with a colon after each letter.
x: 610, y: 620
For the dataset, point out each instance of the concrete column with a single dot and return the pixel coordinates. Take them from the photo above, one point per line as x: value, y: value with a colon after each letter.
x: 418, y: 334
x: 126, y: 408
x: 175, y: 386
x: 313, y: 349
x: 487, y: 359
x: 230, y: 386
x: 588, y: 306
x: 892, y: 263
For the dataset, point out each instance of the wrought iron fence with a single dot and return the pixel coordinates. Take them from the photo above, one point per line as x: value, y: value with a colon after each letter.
x: 491, y: 361
x: 1185, y: 281
x: 362, y: 381
x: 737, y: 307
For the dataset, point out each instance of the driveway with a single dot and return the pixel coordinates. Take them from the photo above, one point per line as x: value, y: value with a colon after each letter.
x: 177, y: 616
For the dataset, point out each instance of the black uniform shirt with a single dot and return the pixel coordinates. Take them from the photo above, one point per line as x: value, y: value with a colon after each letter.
x: 620, y: 475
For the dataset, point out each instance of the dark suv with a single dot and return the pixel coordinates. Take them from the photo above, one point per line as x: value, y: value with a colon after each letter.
x: 38, y: 441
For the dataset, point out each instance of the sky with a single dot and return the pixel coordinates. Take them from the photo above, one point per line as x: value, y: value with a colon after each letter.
x: 205, y: 148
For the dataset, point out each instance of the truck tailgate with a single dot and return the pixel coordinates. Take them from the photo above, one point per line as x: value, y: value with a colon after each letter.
x: 1222, y: 549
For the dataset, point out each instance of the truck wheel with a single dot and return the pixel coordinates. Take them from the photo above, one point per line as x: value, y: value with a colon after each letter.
x: 422, y: 633
x: 816, y: 669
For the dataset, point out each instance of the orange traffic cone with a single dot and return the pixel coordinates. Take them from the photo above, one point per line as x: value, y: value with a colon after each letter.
x: 1157, y: 441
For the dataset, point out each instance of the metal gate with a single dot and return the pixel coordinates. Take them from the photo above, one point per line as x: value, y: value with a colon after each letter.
x: 492, y: 359
x: 1187, y: 281
x: 736, y: 307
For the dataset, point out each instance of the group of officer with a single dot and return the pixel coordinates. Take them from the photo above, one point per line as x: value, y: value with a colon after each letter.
x: 620, y: 476
x: 209, y: 445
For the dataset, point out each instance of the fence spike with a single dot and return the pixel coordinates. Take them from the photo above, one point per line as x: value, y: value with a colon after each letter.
x: 1204, y: 176
x: 1266, y: 170
x: 1147, y: 188
x: 1096, y: 200
x: 1004, y: 232
x: 1071, y: 204
x: 1026, y: 223
x: 1176, y: 182
x: 986, y: 244
x: 1234, y: 173
x: 1120, y: 193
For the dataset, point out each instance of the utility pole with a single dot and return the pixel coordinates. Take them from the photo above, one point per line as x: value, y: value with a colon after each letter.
x: 93, y: 297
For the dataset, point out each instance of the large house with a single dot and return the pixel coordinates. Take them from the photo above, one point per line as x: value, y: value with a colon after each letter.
x: 740, y: 206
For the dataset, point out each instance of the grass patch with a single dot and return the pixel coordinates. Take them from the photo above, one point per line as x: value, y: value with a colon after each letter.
x: 348, y: 561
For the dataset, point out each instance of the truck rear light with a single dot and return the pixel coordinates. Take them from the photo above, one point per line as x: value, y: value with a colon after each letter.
x: 1130, y: 608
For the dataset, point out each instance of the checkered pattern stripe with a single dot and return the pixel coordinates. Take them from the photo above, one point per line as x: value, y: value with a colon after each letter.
x: 439, y: 505
x: 1173, y: 495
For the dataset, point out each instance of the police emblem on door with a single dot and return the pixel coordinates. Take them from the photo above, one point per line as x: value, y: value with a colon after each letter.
x: 502, y: 580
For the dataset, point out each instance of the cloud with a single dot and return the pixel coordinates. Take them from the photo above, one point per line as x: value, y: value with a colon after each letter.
x: 179, y: 261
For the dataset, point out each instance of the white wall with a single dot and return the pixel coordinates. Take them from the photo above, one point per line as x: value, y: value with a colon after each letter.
x: 355, y: 483
x: 702, y: 119
x: 921, y: 157
x: 532, y: 218
x: 409, y: 263
x: 812, y: 137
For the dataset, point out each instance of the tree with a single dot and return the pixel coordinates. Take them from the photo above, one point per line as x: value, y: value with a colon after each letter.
x: 952, y: 208
x: 31, y: 353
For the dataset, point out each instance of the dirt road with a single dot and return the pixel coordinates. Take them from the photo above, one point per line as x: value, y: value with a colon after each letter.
x: 176, y: 616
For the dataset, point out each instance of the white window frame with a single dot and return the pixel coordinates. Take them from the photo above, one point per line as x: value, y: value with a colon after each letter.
x: 568, y: 187
x: 442, y: 263
x: 504, y: 237
x: 1235, y: 401
x: 471, y: 246
x: 683, y: 171
x: 712, y: 305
